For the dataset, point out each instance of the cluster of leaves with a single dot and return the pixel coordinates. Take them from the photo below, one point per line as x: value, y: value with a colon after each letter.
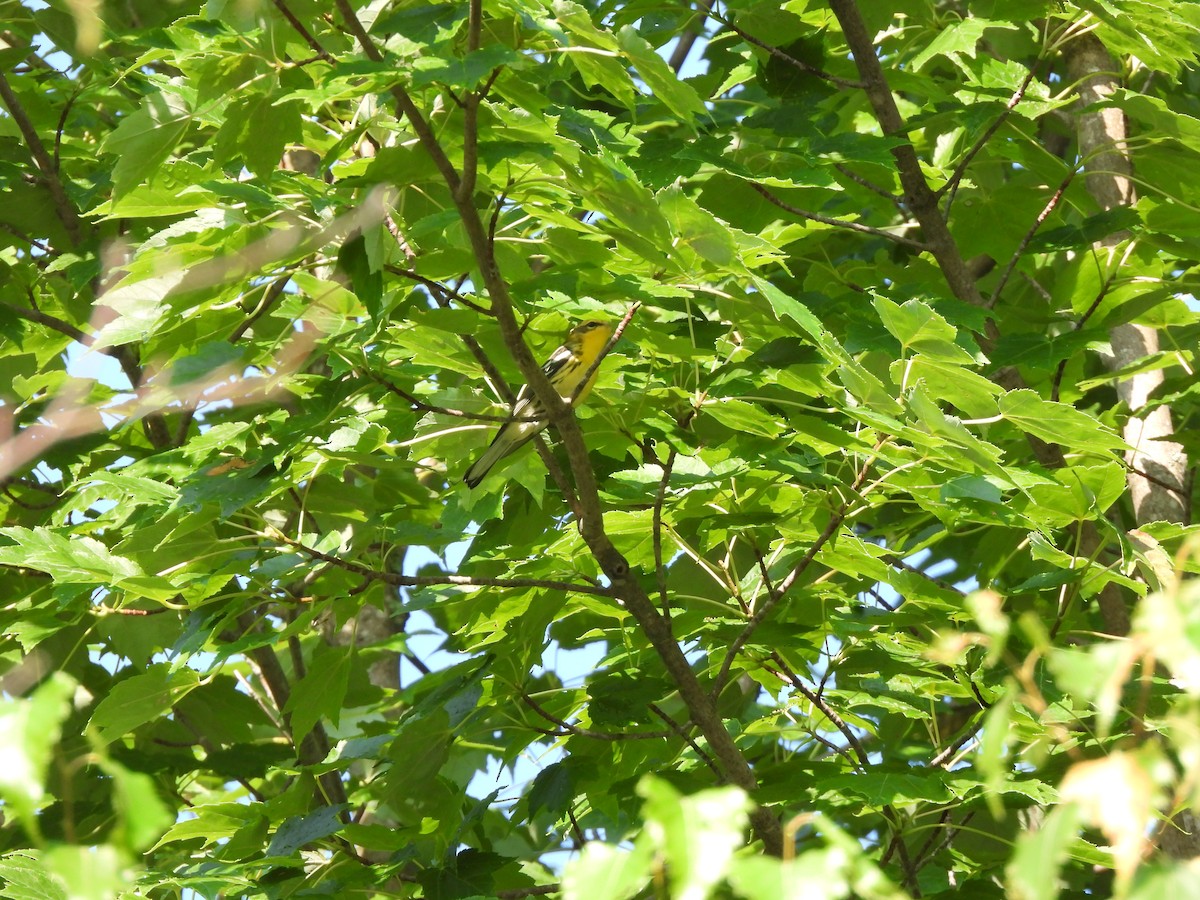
x: 851, y: 444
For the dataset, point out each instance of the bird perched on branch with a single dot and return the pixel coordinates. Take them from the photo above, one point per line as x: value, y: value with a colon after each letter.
x: 565, y: 369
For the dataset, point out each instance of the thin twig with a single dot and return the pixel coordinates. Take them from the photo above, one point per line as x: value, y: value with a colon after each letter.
x: 1056, y: 382
x: 776, y: 593
x: 871, y: 186
x: 893, y: 560
x: 538, y: 890
x: 932, y: 849
x: 62, y: 124
x: 1037, y: 223
x: 43, y: 246
x: 951, y: 186
x: 436, y: 286
x: 470, y: 152
x: 787, y: 57
x: 591, y: 733
x: 660, y: 571
x: 398, y: 580
x: 299, y: 28
x: 273, y: 292
x: 397, y: 235
x: 682, y: 732
x: 819, y: 702
x: 76, y: 334
x: 444, y: 410
x: 969, y: 731
x: 839, y: 223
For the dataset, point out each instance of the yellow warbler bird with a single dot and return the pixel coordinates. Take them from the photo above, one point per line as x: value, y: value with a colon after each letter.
x: 564, y: 369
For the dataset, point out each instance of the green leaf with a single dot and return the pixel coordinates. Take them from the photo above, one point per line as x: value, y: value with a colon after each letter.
x: 617, y: 193
x: 921, y: 330
x: 145, y: 138
x: 140, y: 699
x: 321, y: 692
x: 25, y: 877
x: 602, y: 872
x: 679, y: 96
x: 551, y: 790
x: 466, y: 73
x: 151, y: 201
x: 81, y: 560
x: 1058, y: 423
x: 212, y: 822
x: 817, y: 873
x: 88, y: 873
x: 698, y: 835
x: 140, y: 308
x: 269, y: 128
x: 861, y: 383
x: 742, y: 416
x: 896, y: 788
x: 142, y: 813
x: 960, y: 37
x: 1033, y: 871
x: 29, y: 730
x: 300, y: 831
x: 697, y: 229
x: 1089, y: 231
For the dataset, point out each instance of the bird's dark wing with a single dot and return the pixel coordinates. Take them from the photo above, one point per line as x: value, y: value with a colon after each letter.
x: 527, y: 404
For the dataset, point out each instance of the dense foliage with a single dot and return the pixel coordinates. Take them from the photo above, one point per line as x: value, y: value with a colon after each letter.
x: 846, y: 580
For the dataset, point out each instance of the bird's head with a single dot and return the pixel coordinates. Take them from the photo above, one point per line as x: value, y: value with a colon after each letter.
x: 589, y: 335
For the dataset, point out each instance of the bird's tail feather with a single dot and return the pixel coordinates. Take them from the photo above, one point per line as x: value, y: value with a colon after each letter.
x: 511, y: 437
x: 483, y: 465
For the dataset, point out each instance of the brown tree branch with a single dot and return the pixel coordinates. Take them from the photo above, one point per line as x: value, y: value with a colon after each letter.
x: 920, y: 198
x: 470, y: 161
x: 951, y: 186
x: 568, y: 728
x: 660, y: 570
x: 63, y: 207
x: 786, y: 674
x: 682, y: 732
x: 1037, y: 223
x: 398, y: 580
x: 685, y: 42
x: 420, y: 404
x: 540, y: 890
x: 776, y: 593
x: 625, y: 584
x: 304, y: 33
x: 839, y: 223
x: 872, y: 187
x: 315, y: 745
x: 1102, y: 143
x: 154, y: 424
x: 435, y: 286
x: 787, y: 57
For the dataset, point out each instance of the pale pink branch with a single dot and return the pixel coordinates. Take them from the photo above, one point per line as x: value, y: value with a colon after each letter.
x: 68, y: 417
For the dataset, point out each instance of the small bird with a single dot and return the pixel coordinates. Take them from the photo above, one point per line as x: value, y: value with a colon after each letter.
x: 565, y: 370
